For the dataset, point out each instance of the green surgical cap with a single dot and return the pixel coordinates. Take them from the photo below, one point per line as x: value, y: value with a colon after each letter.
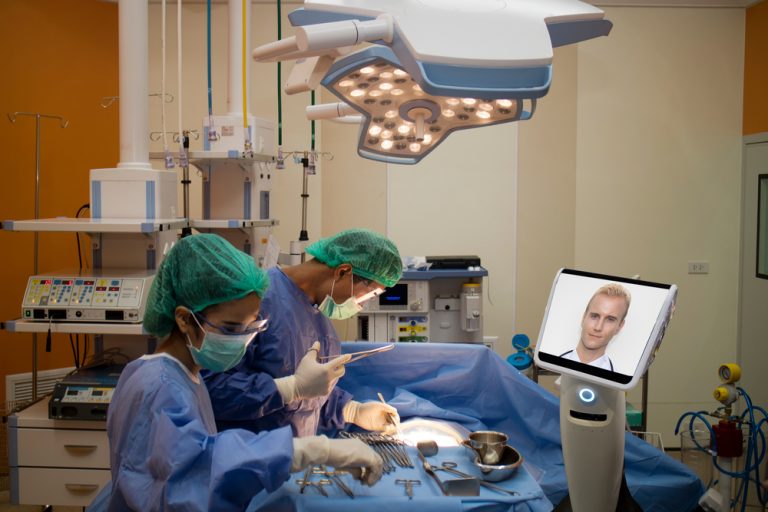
x: 200, y: 271
x: 371, y: 255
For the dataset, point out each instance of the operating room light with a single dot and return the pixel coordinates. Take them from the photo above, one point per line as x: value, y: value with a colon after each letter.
x: 433, y: 67
x: 391, y: 101
x: 443, y: 433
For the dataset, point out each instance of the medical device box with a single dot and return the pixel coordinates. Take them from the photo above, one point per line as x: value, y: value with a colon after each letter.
x: 453, y: 262
x: 231, y: 134
x: 85, y: 394
x: 127, y: 193
x: 114, y: 296
x: 236, y: 189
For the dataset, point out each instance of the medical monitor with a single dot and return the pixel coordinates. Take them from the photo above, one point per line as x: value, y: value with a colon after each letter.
x: 603, y: 329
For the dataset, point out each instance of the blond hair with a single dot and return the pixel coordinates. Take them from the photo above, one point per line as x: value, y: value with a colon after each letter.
x: 612, y: 290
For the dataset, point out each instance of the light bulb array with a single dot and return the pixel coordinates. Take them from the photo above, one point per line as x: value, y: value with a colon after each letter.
x: 401, y: 120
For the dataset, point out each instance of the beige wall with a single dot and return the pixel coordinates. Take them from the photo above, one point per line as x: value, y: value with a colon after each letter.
x: 658, y: 181
x: 461, y: 199
x: 644, y: 125
x: 546, y: 194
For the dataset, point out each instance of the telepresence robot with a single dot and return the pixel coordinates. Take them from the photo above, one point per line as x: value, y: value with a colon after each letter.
x: 601, y: 333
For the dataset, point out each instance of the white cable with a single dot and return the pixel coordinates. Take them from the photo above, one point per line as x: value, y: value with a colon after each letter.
x: 162, y: 79
x: 179, y: 34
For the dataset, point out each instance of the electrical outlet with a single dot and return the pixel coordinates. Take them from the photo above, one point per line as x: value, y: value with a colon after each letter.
x: 698, y: 267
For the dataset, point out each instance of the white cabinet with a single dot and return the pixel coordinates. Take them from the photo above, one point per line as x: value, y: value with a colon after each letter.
x: 56, y: 461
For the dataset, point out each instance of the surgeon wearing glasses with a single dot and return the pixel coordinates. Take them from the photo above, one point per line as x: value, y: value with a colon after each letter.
x: 165, y: 451
x: 281, y: 380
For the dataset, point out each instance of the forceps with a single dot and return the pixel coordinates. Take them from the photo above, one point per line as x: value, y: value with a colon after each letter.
x: 356, y: 356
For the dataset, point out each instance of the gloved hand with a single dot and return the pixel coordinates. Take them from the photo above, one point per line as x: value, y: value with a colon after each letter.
x: 372, y: 416
x: 349, y: 454
x: 312, y: 378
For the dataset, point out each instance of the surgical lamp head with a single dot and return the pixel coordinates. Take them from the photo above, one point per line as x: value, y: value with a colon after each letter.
x: 434, y: 67
x: 401, y: 122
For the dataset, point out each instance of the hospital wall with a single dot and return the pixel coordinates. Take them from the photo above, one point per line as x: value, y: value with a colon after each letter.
x: 59, y: 58
x: 658, y: 181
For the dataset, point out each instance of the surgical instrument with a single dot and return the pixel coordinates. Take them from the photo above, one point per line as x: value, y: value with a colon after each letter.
x: 318, y: 484
x: 430, y: 471
x: 408, y: 486
x: 465, y: 486
x: 390, y: 449
x: 391, y: 417
x: 304, y: 482
x: 356, y: 356
x: 450, y: 467
x: 335, y: 476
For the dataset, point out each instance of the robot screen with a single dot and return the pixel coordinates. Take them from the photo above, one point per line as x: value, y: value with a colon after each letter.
x: 604, y: 329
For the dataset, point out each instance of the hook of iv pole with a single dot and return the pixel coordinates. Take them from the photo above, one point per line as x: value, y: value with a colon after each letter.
x: 12, y: 117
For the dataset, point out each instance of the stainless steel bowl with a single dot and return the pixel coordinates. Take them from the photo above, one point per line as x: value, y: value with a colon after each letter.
x: 507, y: 465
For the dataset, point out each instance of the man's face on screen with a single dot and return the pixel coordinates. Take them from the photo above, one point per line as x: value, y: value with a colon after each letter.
x: 602, y: 320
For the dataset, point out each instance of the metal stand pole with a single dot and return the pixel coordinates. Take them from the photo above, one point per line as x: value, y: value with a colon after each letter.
x: 64, y: 124
x: 303, y: 235
x: 185, y: 181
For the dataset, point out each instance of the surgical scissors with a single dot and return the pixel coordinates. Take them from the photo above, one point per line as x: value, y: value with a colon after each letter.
x: 356, y: 356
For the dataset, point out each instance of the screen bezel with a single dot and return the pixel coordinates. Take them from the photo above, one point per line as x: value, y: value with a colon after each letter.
x: 615, y: 379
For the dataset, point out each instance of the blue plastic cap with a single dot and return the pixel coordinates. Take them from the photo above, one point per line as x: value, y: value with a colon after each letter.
x: 521, y: 341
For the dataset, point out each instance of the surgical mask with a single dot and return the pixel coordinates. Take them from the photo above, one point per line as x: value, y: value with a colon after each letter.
x: 219, y: 352
x: 346, y: 309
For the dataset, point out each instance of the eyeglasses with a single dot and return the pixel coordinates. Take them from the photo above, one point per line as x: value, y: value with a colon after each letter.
x: 368, y: 284
x: 260, y: 325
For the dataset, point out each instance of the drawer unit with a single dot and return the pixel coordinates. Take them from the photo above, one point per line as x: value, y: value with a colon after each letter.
x: 56, y: 462
x: 59, y: 486
x: 87, y: 449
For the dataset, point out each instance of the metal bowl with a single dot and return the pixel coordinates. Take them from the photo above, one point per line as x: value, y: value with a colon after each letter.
x: 508, y: 463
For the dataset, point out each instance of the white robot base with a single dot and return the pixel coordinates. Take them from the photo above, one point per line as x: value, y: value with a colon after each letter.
x: 592, y: 419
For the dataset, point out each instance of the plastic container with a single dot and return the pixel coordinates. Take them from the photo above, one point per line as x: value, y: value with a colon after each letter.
x: 694, y: 453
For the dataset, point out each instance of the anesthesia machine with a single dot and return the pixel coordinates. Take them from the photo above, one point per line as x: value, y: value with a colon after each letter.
x: 438, y: 305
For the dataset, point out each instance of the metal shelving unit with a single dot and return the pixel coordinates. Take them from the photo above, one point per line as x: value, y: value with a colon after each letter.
x: 70, y: 224
x: 231, y: 223
x: 21, y: 325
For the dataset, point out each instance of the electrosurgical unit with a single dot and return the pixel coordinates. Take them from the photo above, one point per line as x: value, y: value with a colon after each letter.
x: 114, y: 296
x: 85, y: 394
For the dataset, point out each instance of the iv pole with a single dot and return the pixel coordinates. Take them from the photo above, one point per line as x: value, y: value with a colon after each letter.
x: 64, y: 123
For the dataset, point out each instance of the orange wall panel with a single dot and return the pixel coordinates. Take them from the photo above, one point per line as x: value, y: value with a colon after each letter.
x: 58, y: 58
x: 755, y: 70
